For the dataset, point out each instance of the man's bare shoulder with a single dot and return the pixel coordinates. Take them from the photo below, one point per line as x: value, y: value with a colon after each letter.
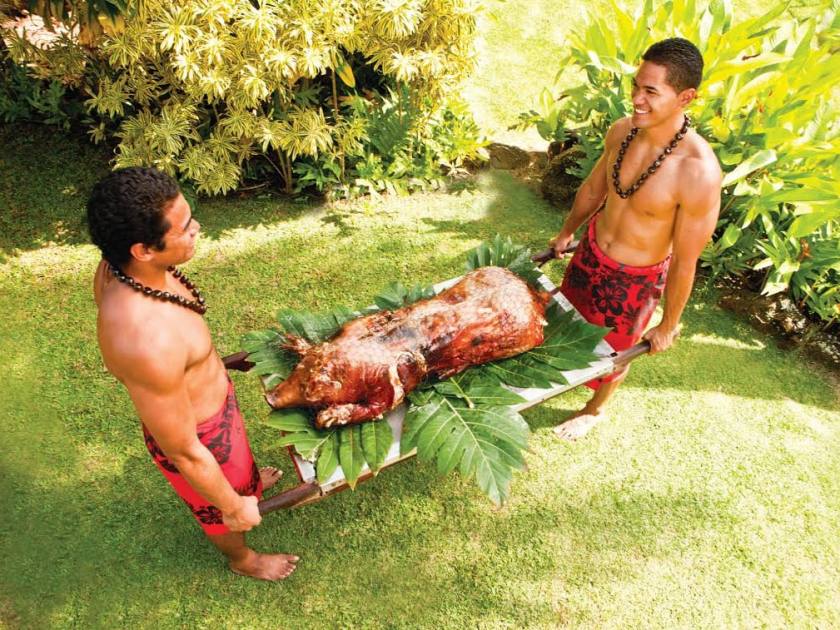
x: 618, y: 131
x: 700, y: 157
x: 137, y: 340
x: 700, y: 177
x: 701, y: 167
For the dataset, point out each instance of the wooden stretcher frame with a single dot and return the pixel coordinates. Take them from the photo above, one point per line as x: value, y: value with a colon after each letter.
x: 310, y: 490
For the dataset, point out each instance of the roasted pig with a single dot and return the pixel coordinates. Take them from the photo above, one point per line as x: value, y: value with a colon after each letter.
x: 374, y: 361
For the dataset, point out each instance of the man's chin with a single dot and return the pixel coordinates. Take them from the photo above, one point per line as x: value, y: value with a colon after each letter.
x: 640, y: 120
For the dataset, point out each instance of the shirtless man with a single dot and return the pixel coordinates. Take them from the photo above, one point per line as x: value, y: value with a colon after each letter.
x: 154, y: 340
x: 661, y: 210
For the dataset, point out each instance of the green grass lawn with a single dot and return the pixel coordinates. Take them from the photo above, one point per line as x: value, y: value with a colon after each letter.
x: 711, y: 498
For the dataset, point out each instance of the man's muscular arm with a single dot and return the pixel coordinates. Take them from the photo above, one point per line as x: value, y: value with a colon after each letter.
x: 591, y: 194
x: 695, y: 222
x: 154, y: 377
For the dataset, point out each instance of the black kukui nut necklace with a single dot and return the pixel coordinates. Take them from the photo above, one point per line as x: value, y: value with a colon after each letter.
x: 196, y: 305
x: 650, y: 169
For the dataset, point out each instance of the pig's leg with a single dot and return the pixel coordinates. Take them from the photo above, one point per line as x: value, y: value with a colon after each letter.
x: 352, y: 413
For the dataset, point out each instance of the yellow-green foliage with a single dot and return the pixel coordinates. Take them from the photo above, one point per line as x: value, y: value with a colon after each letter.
x: 768, y: 106
x: 202, y: 85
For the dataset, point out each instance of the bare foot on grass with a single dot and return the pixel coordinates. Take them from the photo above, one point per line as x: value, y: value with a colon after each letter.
x: 577, y: 425
x: 269, y: 475
x: 266, y: 566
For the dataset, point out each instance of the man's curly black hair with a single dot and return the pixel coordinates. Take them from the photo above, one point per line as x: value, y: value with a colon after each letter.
x: 127, y: 207
x: 681, y: 58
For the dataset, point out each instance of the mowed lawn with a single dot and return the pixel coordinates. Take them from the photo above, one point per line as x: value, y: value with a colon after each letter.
x: 711, y: 498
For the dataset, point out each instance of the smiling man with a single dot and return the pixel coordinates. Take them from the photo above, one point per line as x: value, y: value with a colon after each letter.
x: 155, y: 341
x: 657, y: 186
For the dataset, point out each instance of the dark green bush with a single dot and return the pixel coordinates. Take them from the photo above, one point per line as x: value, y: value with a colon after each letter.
x: 25, y: 98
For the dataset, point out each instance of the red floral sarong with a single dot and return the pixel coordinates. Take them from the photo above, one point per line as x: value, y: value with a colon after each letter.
x: 224, y: 435
x: 608, y: 293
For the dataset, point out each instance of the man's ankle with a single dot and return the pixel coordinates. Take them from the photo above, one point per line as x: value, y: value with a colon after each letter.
x: 243, y: 556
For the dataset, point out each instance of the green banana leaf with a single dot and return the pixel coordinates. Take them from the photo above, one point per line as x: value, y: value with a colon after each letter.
x: 502, y: 252
x: 271, y: 360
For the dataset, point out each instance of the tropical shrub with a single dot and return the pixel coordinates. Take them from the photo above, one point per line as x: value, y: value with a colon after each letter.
x: 766, y: 107
x: 324, y: 93
x: 25, y: 98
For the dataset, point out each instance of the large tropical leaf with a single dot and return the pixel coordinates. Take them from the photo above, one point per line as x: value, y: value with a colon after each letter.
x: 376, y: 442
x: 474, y: 389
x: 315, y: 327
x: 299, y: 432
x: 754, y: 162
x: 327, y: 459
x: 350, y: 454
x: 522, y: 371
x: 569, y: 342
x: 502, y: 252
x: 271, y: 360
x: 396, y: 296
x: 350, y: 447
x: 482, y: 441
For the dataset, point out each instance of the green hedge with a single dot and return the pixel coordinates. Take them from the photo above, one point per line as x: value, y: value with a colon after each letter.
x: 339, y: 94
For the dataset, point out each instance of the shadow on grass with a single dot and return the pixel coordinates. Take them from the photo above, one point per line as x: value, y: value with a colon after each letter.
x: 46, y: 176
x: 75, y: 544
x: 128, y: 550
x: 340, y: 221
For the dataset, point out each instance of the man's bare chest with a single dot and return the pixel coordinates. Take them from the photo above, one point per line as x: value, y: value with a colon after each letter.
x: 193, y: 333
x: 131, y: 325
x: 658, y: 193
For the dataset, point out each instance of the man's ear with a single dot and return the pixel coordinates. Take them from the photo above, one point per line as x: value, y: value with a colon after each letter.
x: 141, y: 252
x: 686, y: 96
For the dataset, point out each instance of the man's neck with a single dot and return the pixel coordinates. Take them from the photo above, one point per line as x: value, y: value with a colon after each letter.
x: 147, y: 274
x: 661, y: 134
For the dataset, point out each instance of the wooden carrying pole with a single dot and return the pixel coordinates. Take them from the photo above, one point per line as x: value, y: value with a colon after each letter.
x: 294, y: 496
x: 301, y: 493
x: 540, y: 258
